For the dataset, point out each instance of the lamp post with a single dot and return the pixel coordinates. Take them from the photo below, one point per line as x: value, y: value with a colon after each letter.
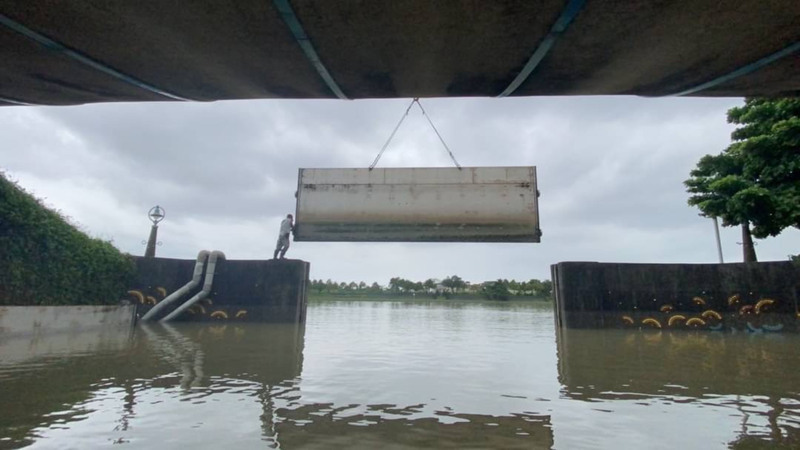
x: 156, y: 215
x: 719, y: 244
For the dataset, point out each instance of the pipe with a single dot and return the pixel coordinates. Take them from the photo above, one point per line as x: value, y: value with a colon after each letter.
x: 293, y: 23
x: 749, y: 68
x: 212, y: 263
x: 562, y: 23
x: 198, y: 273
x: 11, y: 101
x: 83, y: 59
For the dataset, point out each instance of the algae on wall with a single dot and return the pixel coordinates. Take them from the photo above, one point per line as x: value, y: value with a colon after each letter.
x: 44, y: 260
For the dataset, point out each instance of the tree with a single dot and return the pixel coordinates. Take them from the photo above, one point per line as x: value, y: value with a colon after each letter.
x: 454, y: 283
x: 721, y: 190
x: 769, y: 141
x: 756, y: 180
x: 547, y: 288
x: 496, y: 290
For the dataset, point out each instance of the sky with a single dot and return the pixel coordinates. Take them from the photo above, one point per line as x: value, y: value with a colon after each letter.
x: 610, y: 171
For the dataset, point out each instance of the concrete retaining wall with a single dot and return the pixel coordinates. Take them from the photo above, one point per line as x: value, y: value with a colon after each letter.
x: 30, y: 332
x: 38, y: 320
x: 254, y: 291
x: 755, y: 297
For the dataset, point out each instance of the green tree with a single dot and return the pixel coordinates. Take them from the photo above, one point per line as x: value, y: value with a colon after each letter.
x: 454, y: 283
x: 496, y: 290
x: 768, y: 138
x: 547, y: 288
x: 755, y: 182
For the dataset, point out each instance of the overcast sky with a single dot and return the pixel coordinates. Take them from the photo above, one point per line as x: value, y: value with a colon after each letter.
x: 610, y: 173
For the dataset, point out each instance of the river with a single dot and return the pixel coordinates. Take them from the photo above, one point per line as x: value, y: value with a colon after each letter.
x: 394, y: 375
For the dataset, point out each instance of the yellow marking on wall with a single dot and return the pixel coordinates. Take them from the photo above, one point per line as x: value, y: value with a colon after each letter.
x: 651, y: 321
x: 207, y: 301
x: 709, y: 313
x: 746, y: 309
x: 676, y: 318
x: 762, y: 303
x: 196, y: 308
x: 666, y: 308
x: 241, y: 313
x: 138, y: 294
x: 219, y: 314
x: 628, y: 320
x: 161, y: 291
x: 151, y: 300
x: 695, y: 321
x: 699, y: 301
x: 733, y: 299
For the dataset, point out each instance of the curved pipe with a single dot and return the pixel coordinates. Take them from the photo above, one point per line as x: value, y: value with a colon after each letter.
x: 198, y: 273
x: 212, y: 263
x: 293, y: 23
x: 752, y: 67
x: 11, y: 101
x: 562, y: 23
x: 83, y: 59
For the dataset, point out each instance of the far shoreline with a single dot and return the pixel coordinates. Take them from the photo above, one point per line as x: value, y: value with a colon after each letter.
x: 384, y: 297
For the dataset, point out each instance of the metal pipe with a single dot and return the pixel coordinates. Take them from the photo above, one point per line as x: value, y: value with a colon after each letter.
x: 198, y: 273
x: 562, y: 23
x: 749, y: 68
x: 15, y: 102
x: 293, y: 23
x: 212, y: 263
x: 83, y: 59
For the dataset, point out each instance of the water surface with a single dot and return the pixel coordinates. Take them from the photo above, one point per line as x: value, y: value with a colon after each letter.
x: 401, y: 375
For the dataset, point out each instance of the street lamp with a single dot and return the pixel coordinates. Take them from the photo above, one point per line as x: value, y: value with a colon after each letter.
x: 156, y: 215
x: 719, y: 244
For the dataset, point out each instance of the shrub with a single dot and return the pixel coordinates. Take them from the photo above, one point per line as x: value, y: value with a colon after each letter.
x: 44, y: 260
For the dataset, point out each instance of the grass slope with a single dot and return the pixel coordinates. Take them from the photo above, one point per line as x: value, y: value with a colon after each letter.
x: 44, y: 260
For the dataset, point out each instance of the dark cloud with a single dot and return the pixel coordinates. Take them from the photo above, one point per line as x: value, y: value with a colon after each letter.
x: 610, y: 170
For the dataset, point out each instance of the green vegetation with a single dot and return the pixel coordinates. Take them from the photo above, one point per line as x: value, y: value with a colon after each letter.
x: 450, y: 288
x: 496, y: 290
x: 44, y: 260
x: 755, y: 182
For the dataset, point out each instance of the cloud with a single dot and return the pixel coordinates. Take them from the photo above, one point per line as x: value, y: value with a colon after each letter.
x: 610, y: 170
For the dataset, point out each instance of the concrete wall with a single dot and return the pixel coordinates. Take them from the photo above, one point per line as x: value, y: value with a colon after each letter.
x: 754, y: 297
x: 36, y: 320
x: 257, y: 290
x: 30, y: 332
x: 472, y: 204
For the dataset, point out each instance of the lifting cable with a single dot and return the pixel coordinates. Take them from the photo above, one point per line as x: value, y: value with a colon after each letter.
x: 416, y: 100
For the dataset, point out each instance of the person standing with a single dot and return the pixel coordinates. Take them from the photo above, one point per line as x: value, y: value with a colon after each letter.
x: 283, y: 236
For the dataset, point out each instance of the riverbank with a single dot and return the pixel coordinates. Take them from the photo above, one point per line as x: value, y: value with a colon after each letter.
x: 45, y: 260
x: 397, y: 297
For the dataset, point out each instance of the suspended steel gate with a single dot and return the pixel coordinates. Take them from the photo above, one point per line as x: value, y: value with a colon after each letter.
x: 469, y: 204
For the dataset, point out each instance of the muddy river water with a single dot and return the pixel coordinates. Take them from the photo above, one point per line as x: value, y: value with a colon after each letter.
x: 390, y: 375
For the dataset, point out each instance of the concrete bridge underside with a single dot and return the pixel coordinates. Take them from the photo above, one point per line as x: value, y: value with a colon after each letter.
x: 71, y: 52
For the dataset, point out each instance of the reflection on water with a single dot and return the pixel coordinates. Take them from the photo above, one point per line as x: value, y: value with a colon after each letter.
x: 752, y: 378
x: 403, y: 375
